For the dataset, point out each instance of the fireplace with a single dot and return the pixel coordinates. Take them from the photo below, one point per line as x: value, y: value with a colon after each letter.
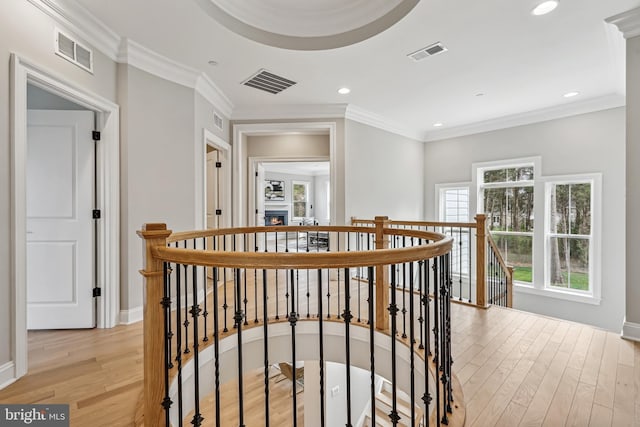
x: 273, y: 217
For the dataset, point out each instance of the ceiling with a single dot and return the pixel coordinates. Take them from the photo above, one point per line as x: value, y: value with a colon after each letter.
x: 501, y: 61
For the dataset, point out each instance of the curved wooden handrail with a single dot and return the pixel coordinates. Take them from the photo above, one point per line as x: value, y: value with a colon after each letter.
x: 187, y: 235
x: 303, y: 260
x: 419, y: 223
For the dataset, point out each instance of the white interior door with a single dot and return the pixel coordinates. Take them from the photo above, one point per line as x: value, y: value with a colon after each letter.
x: 59, y: 220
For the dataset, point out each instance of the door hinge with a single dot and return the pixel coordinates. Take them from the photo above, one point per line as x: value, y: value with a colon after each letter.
x: 256, y: 211
x: 218, y: 164
x: 95, y: 135
x: 96, y: 214
x: 97, y: 292
x: 218, y: 211
x: 256, y: 174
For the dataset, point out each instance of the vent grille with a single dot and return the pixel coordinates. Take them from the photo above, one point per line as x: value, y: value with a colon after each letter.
x: 217, y: 121
x: 425, y: 52
x: 73, y: 51
x: 269, y: 82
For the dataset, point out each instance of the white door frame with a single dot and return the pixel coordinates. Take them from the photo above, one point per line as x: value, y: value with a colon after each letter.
x: 23, y: 72
x: 211, y: 139
x: 253, y: 167
x: 240, y: 170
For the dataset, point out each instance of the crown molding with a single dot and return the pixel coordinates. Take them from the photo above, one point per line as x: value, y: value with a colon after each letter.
x: 79, y: 21
x: 212, y: 93
x: 363, y: 116
x: 136, y: 55
x: 530, y: 117
x: 289, y: 112
x: 628, y: 22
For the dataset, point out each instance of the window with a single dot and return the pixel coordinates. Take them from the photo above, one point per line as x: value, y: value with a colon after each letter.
x: 454, y: 207
x: 300, y: 199
x: 507, y: 199
x: 570, y: 233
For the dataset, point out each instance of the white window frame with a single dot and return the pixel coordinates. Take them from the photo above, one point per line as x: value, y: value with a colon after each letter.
x: 307, y: 185
x: 440, y: 190
x: 478, y: 170
x: 593, y: 296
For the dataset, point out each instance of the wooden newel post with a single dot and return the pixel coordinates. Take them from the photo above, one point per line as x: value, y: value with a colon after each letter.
x: 481, y: 245
x: 154, y: 235
x: 382, y: 276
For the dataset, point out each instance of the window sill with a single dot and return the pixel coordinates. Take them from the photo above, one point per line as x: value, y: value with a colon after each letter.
x: 558, y: 294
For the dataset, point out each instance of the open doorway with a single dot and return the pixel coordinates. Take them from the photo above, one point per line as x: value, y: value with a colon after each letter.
x: 104, y: 195
x: 61, y: 250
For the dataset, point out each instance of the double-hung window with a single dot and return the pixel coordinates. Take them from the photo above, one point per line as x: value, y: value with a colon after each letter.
x: 571, y: 231
x: 506, y: 195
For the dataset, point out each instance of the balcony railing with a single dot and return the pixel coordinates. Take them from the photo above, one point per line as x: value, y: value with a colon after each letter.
x: 479, y: 274
x: 220, y: 303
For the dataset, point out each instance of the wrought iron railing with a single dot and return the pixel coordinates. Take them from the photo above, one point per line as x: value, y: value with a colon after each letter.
x: 222, y: 302
x: 479, y: 274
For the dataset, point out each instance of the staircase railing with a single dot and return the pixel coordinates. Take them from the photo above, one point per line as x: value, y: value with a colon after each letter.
x: 480, y: 275
x: 219, y: 303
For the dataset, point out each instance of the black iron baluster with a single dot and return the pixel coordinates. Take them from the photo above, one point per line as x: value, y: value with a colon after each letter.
x: 216, y: 343
x: 297, y: 278
x: 420, y: 296
x: 186, y: 322
x: 393, y: 310
x: 293, y: 319
x: 238, y: 318
x: 436, y: 342
x: 286, y: 276
x: 338, y: 270
x: 265, y: 339
x: 460, y: 261
x: 166, y: 311
x: 346, y: 315
x: 444, y: 263
x: 372, y: 362
x: 426, y: 397
x: 225, y: 306
x: 179, y: 338
x: 448, y: 339
x: 170, y: 332
x: 469, y: 258
x: 205, y: 313
x: 308, y: 272
x: 277, y: 286
x: 321, y: 355
x: 358, y: 248
x: 404, y: 293
x: 255, y: 281
x: 195, y: 313
x: 412, y: 341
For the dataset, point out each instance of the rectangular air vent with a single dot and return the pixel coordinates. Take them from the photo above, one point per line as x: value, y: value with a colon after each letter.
x: 74, y: 52
x: 428, y: 51
x: 217, y: 121
x: 268, y: 82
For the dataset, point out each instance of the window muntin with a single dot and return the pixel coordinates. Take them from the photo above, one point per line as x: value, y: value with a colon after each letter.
x: 570, y: 235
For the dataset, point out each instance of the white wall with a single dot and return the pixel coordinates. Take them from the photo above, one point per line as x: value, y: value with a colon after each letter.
x: 321, y: 211
x: 383, y: 174
x: 288, y: 191
x: 27, y: 31
x: 157, y: 164
x: 336, y: 405
x: 580, y: 144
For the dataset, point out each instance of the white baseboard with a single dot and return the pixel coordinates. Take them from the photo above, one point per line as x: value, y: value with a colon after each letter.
x: 7, y: 374
x: 127, y: 317
x: 631, y: 331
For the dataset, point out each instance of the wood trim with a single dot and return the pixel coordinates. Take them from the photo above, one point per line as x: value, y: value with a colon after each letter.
x: 382, y: 276
x: 481, y: 277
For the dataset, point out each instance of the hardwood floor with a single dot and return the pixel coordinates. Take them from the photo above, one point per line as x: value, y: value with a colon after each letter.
x: 516, y: 368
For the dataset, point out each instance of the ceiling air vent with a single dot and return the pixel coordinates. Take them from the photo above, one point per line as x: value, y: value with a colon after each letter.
x: 428, y: 51
x: 73, y: 51
x: 268, y: 82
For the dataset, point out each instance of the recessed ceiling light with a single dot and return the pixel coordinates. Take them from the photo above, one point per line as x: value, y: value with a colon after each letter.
x: 571, y: 94
x: 545, y: 7
x: 344, y: 90
x: 213, y: 63
x: 479, y: 94
x: 437, y: 125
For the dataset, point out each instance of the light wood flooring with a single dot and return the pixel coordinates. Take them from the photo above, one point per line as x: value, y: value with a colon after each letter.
x: 516, y: 369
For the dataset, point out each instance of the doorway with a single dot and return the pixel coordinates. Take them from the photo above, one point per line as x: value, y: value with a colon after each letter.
x: 106, y: 192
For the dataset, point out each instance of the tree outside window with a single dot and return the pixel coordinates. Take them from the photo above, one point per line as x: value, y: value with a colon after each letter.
x: 509, y: 207
x: 570, y: 235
